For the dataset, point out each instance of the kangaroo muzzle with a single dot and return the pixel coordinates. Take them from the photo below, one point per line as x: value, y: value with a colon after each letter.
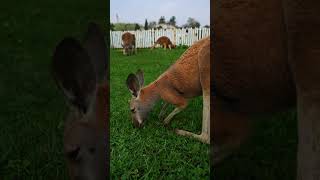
x: 137, y: 122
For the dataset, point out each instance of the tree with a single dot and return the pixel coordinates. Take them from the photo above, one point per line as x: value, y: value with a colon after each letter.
x: 172, y: 21
x: 152, y: 24
x: 136, y: 27
x: 192, y: 23
x: 111, y: 26
x: 206, y: 26
x: 162, y: 20
x: 146, y: 25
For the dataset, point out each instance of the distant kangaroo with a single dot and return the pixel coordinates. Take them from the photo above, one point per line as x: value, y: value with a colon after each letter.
x: 165, y: 42
x: 128, y: 43
x: 80, y: 72
x: 188, y: 77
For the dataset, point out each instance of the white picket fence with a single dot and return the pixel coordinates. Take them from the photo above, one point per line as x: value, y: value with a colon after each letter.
x: 146, y: 38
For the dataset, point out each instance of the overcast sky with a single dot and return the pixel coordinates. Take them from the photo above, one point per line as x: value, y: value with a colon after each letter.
x: 136, y: 11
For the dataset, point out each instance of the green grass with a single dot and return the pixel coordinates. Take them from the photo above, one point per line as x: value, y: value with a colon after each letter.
x: 32, y: 109
x: 153, y: 152
x: 270, y: 154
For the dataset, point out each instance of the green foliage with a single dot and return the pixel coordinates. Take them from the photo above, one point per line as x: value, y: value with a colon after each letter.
x: 136, y: 27
x: 111, y: 26
x: 146, y: 25
x: 152, y: 24
x: 162, y: 20
x: 192, y: 23
x: 153, y: 152
x: 126, y: 26
x: 172, y: 21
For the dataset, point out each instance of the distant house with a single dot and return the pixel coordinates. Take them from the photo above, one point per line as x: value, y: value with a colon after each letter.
x: 165, y: 26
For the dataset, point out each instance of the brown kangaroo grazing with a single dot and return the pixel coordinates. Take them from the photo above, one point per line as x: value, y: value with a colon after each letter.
x: 81, y: 74
x: 188, y: 77
x: 165, y: 42
x: 129, y: 43
x: 266, y: 58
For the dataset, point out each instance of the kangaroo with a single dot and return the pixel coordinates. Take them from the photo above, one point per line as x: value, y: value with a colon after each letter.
x: 266, y: 58
x: 80, y: 73
x: 129, y: 43
x: 188, y: 77
x: 165, y: 42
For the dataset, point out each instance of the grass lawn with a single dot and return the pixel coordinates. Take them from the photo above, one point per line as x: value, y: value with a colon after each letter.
x: 32, y: 109
x: 270, y: 154
x: 153, y: 152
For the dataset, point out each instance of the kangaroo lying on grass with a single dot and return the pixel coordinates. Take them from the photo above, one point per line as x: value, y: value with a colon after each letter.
x: 188, y: 77
x: 80, y: 72
x: 165, y: 42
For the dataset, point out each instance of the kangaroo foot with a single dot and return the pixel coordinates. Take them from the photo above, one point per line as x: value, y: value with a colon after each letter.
x: 203, y: 137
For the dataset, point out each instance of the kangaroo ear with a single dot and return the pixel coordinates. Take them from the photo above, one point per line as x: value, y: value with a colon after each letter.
x: 96, y: 47
x: 74, y: 73
x: 140, y: 77
x: 133, y: 84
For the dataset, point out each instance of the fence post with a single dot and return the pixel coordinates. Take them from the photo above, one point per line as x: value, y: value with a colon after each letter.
x: 174, y: 37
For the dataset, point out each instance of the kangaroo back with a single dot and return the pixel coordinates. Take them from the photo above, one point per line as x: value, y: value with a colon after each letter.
x: 184, y: 74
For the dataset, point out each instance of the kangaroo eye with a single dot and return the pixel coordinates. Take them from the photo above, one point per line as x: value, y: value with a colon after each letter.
x: 133, y: 110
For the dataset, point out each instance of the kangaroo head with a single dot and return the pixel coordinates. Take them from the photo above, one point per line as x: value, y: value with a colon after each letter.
x: 80, y: 72
x: 127, y: 49
x: 139, y: 104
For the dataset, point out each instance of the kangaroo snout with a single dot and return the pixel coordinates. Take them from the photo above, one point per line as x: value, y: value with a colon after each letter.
x: 137, y: 124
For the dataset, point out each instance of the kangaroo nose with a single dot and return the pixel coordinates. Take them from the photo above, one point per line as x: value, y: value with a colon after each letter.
x: 137, y: 124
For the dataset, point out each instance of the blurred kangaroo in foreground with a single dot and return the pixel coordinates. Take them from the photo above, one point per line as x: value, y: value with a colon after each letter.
x: 80, y: 72
x: 267, y: 59
x: 188, y: 77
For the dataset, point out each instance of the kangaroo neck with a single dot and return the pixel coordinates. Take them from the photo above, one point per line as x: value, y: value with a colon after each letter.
x: 150, y: 94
